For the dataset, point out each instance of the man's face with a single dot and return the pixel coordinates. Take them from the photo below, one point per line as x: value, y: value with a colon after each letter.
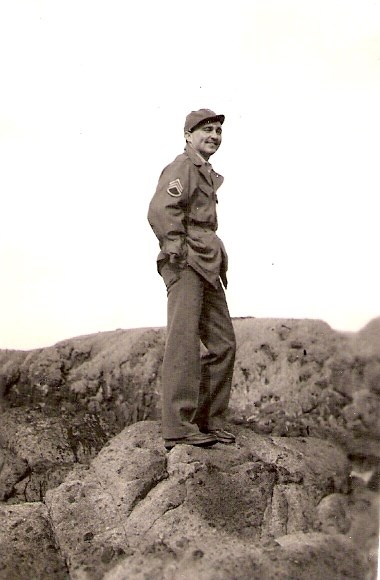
x: 206, y: 138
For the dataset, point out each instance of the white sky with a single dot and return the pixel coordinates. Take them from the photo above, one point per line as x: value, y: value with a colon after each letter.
x: 92, y: 104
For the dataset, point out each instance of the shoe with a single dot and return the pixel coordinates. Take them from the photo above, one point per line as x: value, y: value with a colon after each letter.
x: 222, y: 435
x: 198, y: 439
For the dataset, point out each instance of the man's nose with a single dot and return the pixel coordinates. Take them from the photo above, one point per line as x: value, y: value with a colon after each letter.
x: 215, y: 135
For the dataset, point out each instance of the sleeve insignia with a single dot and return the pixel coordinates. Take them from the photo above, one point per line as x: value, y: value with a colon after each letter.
x: 175, y: 188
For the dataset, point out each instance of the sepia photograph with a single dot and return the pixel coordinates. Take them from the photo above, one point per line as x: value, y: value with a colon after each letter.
x: 189, y: 302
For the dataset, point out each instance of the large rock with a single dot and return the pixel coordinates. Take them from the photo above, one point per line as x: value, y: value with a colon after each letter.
x: 271, y: 507
x: 111, y: 374
x: 296, y: 377
x: 291, y: 378
x: 27, y: 544
x: 245, y: 511
x: 60, y: 405
x: 37, y: 450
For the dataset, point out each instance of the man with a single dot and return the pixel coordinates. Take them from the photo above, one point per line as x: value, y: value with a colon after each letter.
x: 192, y: 263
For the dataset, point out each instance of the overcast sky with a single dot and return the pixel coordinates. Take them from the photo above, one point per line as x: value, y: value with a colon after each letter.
x: 92, y: 104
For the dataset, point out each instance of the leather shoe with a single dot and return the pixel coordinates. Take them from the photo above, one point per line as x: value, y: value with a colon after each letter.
x: 222, y: 435
x: 198, y: 439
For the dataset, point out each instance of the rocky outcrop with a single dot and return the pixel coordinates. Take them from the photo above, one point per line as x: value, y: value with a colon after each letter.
x: 245, y: 511
x: 291, y: 378
x: 267, y: 507
x: 105, y: 500
x: 302, y: 378
x: 61, y: 404
x: 38, y: 450
x: 111, y: 374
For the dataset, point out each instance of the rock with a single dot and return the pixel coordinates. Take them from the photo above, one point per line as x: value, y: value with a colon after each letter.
x: 295, y: 378
x: 315, y: 556
x: 302, y: 556
x: 74, y: 437
x: 112, y: 375
x: 332, y: 513
x: 39, y: 450
x: 27, y: 546
x: 12, y: 470
x: 291, y: 378
x: 138, y: 512
x: 363, y: 508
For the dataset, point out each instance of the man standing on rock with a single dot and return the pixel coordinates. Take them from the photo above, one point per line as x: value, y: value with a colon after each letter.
x: 192, y: 263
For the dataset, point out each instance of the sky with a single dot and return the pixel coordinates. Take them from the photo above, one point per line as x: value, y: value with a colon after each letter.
x: 92, y: 106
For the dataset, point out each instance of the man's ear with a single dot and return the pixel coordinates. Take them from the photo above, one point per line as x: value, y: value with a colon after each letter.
x: 188, y: 136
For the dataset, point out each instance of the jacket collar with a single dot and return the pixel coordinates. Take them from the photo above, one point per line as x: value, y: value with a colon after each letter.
x: 195, y: 157
x: 205, y: 168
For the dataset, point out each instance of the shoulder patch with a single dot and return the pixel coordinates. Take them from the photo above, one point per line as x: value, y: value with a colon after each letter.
x: 175, y: 188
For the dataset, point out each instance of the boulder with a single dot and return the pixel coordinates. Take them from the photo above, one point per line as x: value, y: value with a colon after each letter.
x: 299, y: 377
x: 111, y: 374
x: 83, y: 465
x: 291, y: 378
x: 244, y: 511
x: 38, y: 450
x: 27, y: 544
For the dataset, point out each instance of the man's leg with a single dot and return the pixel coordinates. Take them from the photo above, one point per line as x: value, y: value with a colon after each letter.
x: 217, y: 334
x: 181, y: 365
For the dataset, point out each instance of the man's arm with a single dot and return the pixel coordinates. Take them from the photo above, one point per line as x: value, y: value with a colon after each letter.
x: 167, y: 211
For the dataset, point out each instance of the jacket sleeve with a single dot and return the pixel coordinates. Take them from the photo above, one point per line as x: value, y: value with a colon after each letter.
x: 167, y: 210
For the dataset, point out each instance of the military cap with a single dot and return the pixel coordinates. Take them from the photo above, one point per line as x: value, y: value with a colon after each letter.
x: 196, y: 118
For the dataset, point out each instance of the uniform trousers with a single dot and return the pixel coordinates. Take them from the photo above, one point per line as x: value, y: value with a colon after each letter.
x: 195, y: 387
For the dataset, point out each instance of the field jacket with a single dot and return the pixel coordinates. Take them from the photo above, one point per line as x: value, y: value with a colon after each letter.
x: 182, y: 214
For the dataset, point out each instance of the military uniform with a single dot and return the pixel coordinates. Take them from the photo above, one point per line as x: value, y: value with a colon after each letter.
x: 192, y: 261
